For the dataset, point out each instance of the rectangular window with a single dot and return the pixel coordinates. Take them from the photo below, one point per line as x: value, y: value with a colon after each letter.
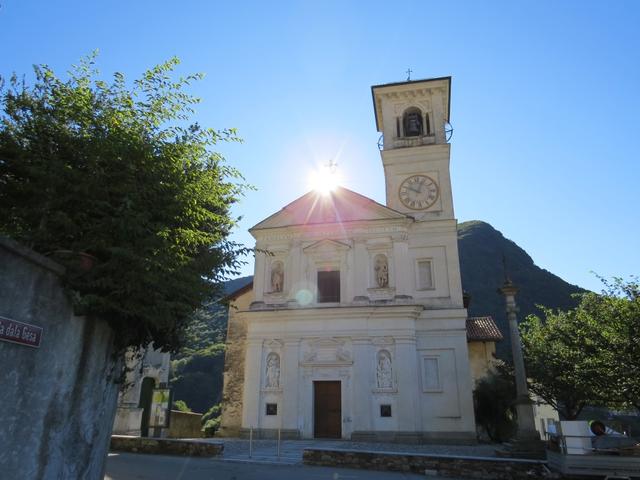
x: 425, y: 275
x: 329, y: 287
x: 272, y: 409
x: 430, y: 374
x: 385, y: 410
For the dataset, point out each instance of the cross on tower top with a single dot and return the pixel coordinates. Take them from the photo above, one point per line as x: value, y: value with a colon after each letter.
x: 332, y: 165
x: 409, y: 72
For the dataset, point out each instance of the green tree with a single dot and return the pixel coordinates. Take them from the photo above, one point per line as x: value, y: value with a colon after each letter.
x: 589, y: 355
x: 123, y: 174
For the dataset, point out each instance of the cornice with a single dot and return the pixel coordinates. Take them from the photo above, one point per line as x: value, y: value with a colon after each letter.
x: 361, y: 229
x: 348, y: 312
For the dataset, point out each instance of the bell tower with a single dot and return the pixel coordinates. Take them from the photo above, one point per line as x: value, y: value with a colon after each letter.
x: 412, y: 117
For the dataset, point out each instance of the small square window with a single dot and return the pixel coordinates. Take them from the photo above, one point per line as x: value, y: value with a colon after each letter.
x: 385, y: 410
x: 272, y: 409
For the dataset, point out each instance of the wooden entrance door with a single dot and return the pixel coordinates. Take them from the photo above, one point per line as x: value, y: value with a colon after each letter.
x: 327, y: 410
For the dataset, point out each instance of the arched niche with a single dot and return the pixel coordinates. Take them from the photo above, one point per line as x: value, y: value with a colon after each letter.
x: 272, y: 371
x: 381, y: 270
x: 384, y: 370
x: 277, y: 276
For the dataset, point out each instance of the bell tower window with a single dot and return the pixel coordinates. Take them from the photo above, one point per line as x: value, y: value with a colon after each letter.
x: 412, y: 122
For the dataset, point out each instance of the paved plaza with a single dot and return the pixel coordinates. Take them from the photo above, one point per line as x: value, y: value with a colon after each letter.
x: 236, y: 449
x: 129, y: 466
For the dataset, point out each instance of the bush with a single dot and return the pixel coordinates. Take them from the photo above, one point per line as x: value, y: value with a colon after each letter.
x: 211, y: 420
x: 494, y: 397
x: 181, y: 406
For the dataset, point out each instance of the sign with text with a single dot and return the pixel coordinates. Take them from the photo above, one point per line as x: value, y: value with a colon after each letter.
x: 160, y: 404
x: 20, y: 333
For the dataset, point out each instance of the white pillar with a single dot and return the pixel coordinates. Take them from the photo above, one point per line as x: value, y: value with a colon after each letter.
x: 362, y: 377
x: 404, y: 272
x: 259, y: 276
x: 361, y: 269
x: 252, y: 383
x: 406, y: 367
x: 290, y: 384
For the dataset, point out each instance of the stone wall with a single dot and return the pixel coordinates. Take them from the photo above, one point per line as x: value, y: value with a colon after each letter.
x: 161, y: 446
x: 231, y: 421
x: 185, y: 425
x: 443, y: 465
x: 58, y: 401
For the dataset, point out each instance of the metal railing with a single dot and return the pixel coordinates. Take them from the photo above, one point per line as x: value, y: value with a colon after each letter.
x: 278, y: 443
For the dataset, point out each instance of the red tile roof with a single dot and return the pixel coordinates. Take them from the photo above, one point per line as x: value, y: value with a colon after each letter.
x: 483, y: 329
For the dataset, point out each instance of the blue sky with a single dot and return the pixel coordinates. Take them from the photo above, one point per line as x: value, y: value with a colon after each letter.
x: 545, y: 100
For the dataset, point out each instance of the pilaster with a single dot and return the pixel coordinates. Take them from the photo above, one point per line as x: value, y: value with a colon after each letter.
x: 363, y: 360
x: 409, y: 417
x: 403, y: 269
x: 290, y: 411
x: 251, y: 395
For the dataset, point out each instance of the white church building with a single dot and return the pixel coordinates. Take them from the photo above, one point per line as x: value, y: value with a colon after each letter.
x: 354, y: 326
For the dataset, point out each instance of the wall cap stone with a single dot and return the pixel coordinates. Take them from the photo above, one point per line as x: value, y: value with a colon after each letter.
x: 34, y: 257
x: 431, y: 455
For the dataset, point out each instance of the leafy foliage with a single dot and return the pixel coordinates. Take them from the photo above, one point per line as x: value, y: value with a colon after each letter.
x: 119, y: 173
x: 181, y: 406
x: 211, y: 420
x: 494, y: 397
x: 589, y: 355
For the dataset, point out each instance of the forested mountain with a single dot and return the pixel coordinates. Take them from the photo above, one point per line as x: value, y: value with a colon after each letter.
x: 197, y: 369
x: 482, y: 249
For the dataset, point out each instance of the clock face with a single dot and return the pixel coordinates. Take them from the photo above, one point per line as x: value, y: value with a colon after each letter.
x: 418, y: 192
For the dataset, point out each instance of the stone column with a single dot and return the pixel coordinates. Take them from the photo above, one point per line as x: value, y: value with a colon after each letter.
x: 527, y: 443
x: 252, y: 383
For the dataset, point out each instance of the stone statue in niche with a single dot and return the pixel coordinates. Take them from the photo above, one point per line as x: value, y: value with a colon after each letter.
x: 382, y: 271
x: 277, y: 277
x: 384, y: 372
x: 273, y: 371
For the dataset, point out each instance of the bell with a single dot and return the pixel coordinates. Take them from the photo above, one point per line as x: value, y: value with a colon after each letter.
x: 414, y: 125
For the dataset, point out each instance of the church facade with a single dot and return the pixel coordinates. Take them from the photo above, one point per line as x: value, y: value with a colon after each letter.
x: 354, y: 326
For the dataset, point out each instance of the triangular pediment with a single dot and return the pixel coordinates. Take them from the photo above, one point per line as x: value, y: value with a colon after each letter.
x: 339, y: 206
x: 326, y: 246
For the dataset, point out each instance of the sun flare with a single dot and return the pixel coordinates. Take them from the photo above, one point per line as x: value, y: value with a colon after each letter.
x: 325, y: 180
